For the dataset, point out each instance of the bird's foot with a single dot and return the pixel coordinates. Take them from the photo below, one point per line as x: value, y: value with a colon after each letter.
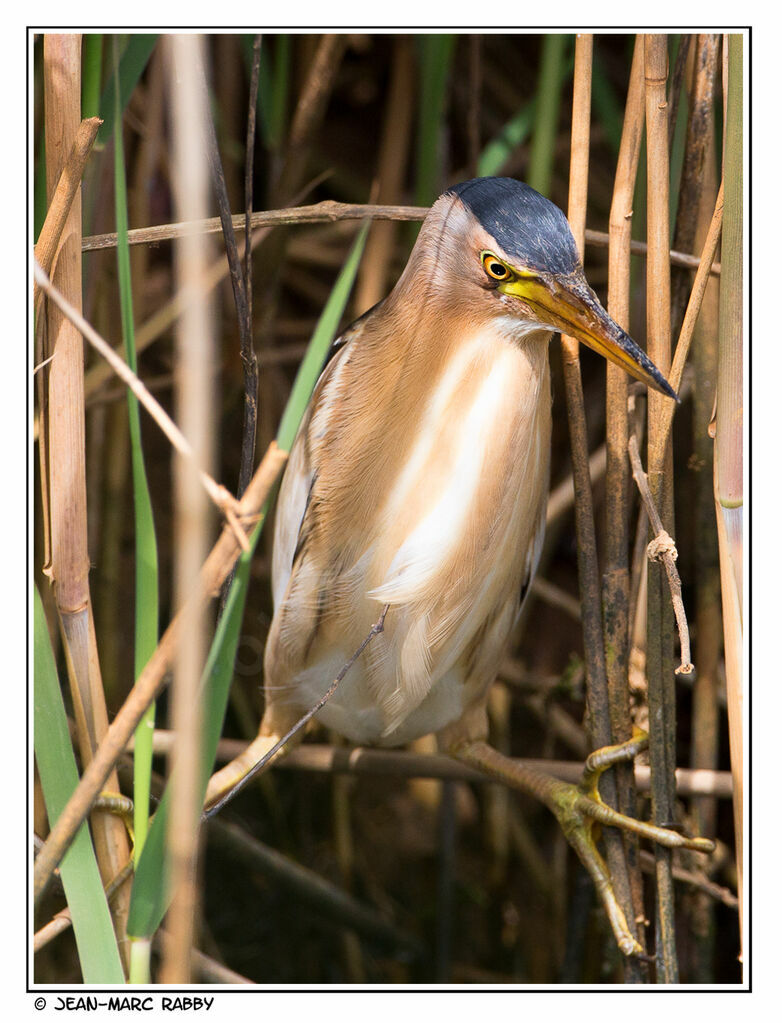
x: 579, y: 808
x: 120, y: 806
x: 230, y: 779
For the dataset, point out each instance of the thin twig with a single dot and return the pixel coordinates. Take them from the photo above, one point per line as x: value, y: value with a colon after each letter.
x: 404, y: 764
x: 662, y: 548
x: 329, y: 212
x: 714, y: 891
x: 245, y: 780
x: 224, y: 500
x: 62, y: 921
x: 248, y: 356
x: 153, y: 678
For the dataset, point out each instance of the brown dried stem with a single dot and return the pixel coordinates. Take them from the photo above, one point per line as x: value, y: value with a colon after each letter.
x: 62, y: 441
x: 616, y: 577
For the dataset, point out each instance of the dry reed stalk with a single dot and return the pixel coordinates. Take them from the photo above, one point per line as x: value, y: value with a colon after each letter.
x: 195, y: 406
x: 64, y: 444
x: 372, y: 281
x: 588, y: 568
x: 152, y: 679
x: 659, y: 648
x: 729, y: 441
x: 616, y: 576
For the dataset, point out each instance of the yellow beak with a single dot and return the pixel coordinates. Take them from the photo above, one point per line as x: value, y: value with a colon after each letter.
x: 568, y: 304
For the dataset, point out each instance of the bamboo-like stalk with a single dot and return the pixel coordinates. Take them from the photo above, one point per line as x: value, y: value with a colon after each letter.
x: 195, y: 406
x: 659, y: 649
x: 729, y: 440
x: 588, y: 569
x: 65, y: 458
x: 616, y: 575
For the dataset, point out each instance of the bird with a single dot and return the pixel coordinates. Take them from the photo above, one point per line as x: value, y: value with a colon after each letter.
x: 412, y: 509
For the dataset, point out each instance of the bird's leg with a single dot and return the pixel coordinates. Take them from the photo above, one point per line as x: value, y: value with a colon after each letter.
x: 578, y: 808
x: 227, y: 782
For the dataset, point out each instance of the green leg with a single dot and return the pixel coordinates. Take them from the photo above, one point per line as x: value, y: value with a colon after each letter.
x: 578, y: 808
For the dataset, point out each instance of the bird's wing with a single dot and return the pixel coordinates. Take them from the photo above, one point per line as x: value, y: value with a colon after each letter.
x: 297, y: 514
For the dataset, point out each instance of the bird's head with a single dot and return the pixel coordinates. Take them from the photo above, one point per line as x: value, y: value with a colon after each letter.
x: 511, y: 253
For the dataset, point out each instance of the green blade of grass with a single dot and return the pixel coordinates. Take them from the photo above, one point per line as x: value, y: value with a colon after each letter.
x: 91, y: 65
x: 146, y: 560
x: 273, y: 85
x: 146, y: 626
x: 149, y: 898
x: 150, y: 895
x: 435, y: 53
x: 95, y: 939
x: 547, y: 108
x: 497, y: 151
x: 134, y: 60
x: 608, y: 110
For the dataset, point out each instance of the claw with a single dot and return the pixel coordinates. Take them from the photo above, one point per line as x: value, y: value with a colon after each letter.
x: 121, y: 806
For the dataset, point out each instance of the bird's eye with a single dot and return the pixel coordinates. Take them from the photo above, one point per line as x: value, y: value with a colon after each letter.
x: 494, y: 268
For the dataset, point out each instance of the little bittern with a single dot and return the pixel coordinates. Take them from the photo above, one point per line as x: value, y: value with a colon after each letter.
x: 418, y: 484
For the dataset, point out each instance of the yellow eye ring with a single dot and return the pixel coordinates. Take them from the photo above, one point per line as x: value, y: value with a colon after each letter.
x: 494, y: 268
